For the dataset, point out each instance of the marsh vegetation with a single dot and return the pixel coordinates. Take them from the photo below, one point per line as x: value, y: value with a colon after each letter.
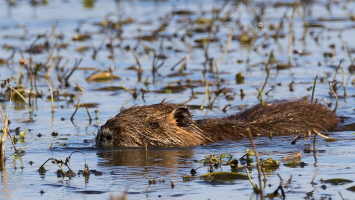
x: 66, y: 67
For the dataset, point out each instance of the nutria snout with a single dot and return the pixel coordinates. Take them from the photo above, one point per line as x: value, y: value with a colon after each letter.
x: 168, y: 125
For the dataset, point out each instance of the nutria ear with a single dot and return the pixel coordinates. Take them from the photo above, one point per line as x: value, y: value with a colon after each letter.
x: 182, y: 116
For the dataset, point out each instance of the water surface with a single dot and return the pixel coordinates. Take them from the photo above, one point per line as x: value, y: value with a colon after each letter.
x: 321, y: 28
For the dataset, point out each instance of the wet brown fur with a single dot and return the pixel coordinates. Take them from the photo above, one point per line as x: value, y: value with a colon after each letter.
x: 168, y: 125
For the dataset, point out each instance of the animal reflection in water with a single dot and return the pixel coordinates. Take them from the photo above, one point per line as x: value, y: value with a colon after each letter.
x: 140, y: 157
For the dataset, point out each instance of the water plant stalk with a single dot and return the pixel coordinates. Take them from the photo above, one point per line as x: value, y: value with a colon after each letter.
x: 290, y: 39
x: 76, y: 109
x: 314, y: 87
x: 52, y: 98
x: 23, y: 98
x: 260, y: 92
x: 258, y: 164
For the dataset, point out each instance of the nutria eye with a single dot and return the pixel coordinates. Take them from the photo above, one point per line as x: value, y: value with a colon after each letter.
x: 153, y: 125
x: 108, y: 137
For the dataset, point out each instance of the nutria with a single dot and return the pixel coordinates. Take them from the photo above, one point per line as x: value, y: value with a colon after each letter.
x: 169, y: 125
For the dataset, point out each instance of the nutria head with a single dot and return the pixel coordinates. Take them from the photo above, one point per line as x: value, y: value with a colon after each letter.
x: 161, y: 124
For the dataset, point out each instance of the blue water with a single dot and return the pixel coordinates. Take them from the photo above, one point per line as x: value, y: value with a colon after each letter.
x: 126, y: 170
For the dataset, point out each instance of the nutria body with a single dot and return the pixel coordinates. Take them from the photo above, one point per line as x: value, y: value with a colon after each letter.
x: 168, y: 125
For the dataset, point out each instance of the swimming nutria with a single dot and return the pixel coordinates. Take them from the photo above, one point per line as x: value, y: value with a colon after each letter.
x: 168, y: 125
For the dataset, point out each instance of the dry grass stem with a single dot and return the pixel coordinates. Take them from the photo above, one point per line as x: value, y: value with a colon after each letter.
x: 349, y: 54
x: 251, y: 181
x: 331, y: 139
x: 225, y: 51
x: 5, y: 131
x: 290, y: 40
x: 206, y: 92
x: 186, y: 59
x: 336, y: 96
x: 139, y: 69
x: 52, y: 98
x: 343, y: 77
x: 127, y: 90
x: 23, y: 98
x: 314, y: 177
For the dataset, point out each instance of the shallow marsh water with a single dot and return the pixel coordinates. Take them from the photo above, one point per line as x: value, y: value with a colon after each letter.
x: 330, y: 28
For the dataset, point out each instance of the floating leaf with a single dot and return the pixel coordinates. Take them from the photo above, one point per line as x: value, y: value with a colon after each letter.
x: 270, y: 161
x: 203, y: 21
x: 315, y: 24
x: 250, y: 152
x: 88, y: 68
x: 109, y: 88
x: 88, y: 105
x: 81, y: 37
x: 338, y: 181
x: 282, y: 66
x: 78, y: 87
x: 270, y: 164
x: 294, y: 164
x: 302, y: 52
x: 221, y: 176
x: 83, y: 49
x: 183, y: 12
x: 245, y: 38
x: 294, y: 157
x: 102, y: 76
x: 223, y: 155
x: 22, y: 136
x: 3, y: 61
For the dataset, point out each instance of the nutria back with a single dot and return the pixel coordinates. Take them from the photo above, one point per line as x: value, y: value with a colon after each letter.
x: 168, y: 125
